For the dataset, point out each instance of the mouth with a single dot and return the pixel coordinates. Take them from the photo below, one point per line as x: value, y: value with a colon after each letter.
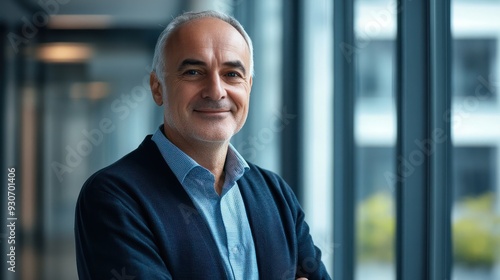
x: 212, y: 112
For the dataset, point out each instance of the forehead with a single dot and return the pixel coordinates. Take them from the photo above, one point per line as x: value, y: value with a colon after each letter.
x: 206, y: 36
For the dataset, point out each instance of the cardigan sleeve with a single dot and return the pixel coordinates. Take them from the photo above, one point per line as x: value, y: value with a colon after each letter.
x: 309, y: 264
x: 284, y: 246
x: 112, y: 239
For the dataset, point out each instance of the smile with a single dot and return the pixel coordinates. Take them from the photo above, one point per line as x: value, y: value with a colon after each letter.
x: 212, y: 112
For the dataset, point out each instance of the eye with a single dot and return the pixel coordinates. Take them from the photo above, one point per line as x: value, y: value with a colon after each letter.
x: 191, y: 72
x: 233, y: 74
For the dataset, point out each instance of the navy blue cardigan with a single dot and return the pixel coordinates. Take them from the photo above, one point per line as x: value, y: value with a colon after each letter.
x: 134, y: 219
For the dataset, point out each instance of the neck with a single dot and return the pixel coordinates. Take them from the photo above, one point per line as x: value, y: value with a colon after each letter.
x: 212, y: 156
x: 213, y: 159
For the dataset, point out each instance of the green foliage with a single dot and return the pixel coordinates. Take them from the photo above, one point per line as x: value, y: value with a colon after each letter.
x: 476, y: 231
x: 375, y: 228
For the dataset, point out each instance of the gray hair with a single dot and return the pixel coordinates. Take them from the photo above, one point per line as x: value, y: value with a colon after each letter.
x: 159, y: 57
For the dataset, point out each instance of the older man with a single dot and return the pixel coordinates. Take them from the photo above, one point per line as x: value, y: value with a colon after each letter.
x: 185, y: 204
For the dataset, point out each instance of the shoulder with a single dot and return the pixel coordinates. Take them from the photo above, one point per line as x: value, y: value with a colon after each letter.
x: 267, y: 184
x: 259, y: 174
x: 129, y: 174
x: 256, y: 170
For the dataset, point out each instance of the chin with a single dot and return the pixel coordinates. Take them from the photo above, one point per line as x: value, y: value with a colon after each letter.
x: 214, y: 136
x: 214, y: 139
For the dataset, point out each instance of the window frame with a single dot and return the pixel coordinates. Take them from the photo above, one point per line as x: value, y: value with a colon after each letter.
x: 423, y: 104
x: 343, y: 146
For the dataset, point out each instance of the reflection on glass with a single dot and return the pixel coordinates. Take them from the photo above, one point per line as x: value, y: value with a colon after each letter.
x: 476, y: 140
x: 375, y: 136
x: 318, y: 129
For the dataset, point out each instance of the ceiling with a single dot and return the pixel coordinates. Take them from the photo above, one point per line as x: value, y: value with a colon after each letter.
x: 102, y: 13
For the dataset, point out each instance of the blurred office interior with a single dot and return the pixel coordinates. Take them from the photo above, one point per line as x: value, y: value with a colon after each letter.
x: 75, y: 97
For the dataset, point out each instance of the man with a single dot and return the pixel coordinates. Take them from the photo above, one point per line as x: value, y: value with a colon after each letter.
x: 185, y: 204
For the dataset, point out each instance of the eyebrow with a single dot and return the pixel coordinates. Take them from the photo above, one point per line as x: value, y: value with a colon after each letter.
x: 190, y: 62
x: 236, y: 64
x: 195, y: 62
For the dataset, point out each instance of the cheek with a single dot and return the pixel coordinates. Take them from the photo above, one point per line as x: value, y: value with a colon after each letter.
x: 241, y: 97
x: 178, y: 99
x: 246, y: 104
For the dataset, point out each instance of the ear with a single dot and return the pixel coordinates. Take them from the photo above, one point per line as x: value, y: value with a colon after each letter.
x: 156, y: 88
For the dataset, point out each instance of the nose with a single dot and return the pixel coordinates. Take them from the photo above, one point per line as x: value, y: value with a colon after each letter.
x: 214, y: 88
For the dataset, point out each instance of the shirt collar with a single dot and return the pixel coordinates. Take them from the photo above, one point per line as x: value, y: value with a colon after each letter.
x: 182, y: 164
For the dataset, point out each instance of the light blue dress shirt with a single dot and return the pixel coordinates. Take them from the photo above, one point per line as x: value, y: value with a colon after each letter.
x: 225, y: 214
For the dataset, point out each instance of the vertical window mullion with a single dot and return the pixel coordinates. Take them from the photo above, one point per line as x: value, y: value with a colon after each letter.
x: 412, y: 121
x: 292, y: 98
x: 423, y: 149
x: 440, y: 259
x: 344, y: 191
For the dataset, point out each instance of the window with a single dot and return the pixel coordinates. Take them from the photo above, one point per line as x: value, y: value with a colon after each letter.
x: 473, y: 57
x: 476, y: 140
x: 318, y: 130
x: 375, y: 139
x: 393, y: 129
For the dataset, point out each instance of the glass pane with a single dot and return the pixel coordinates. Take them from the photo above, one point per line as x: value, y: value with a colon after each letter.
x: 94, y: 106
x: 318, y: 128
x: 476, y: 138
x: 375, y: 136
